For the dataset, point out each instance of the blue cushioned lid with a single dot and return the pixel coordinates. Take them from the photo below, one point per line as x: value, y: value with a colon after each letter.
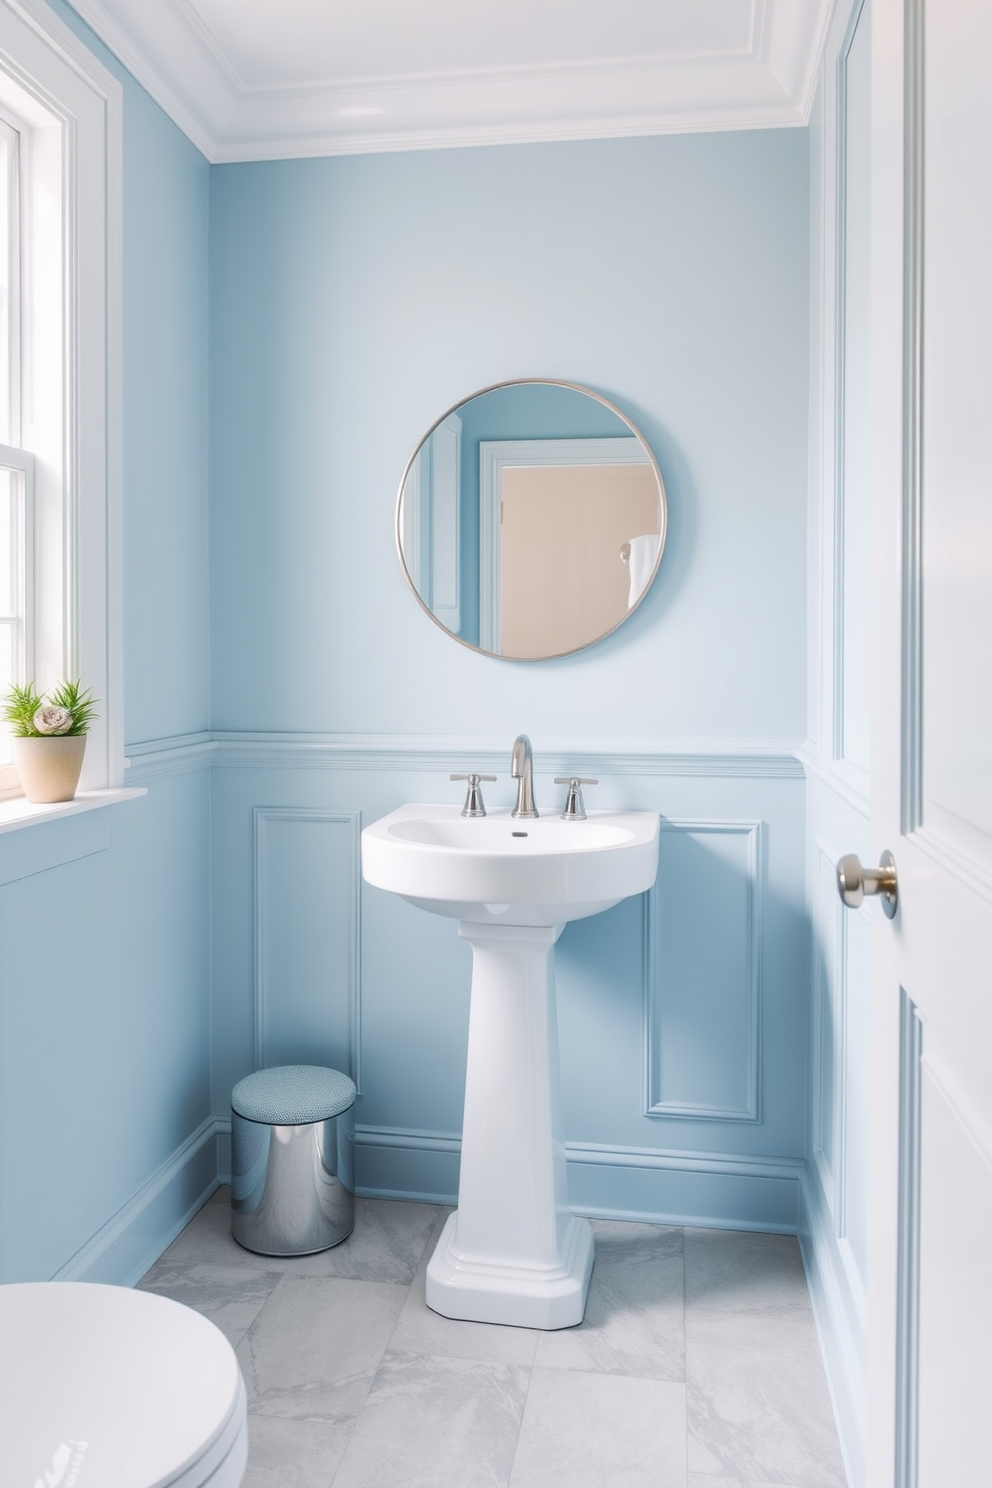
x: 293, y: 1094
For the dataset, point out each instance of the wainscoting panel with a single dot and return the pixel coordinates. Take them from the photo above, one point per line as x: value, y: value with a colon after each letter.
x: 307, y: 937
x: 728, y: 947
x: 106, y: 1133
x: 703, y: 972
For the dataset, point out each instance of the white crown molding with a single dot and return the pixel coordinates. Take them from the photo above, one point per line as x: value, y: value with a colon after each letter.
x: 168, y: 50
x: 791, y: 47
x: 169, y: 55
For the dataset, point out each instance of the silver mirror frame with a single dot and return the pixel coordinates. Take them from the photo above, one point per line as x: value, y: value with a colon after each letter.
x: 575, y: 387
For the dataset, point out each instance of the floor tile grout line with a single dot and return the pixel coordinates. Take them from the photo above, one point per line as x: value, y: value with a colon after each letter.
x: 520, y: 1425
x: 361, y: 1408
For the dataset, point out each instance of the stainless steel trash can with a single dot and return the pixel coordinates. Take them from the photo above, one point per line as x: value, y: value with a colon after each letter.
x: 292, y: 1160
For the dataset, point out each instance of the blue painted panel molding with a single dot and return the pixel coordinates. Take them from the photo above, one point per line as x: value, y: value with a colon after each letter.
x: 703, y: 991
x: 739, y: 811
x: 119, y: 1047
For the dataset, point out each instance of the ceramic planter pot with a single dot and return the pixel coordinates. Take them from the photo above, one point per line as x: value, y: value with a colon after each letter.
x: 49, y: 768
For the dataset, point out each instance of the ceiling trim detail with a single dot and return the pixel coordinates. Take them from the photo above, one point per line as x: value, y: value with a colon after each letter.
x: 168, y: 50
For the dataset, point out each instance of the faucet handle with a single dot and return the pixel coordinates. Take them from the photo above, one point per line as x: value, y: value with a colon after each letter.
x: 474, y: 805
x: 574, y: 807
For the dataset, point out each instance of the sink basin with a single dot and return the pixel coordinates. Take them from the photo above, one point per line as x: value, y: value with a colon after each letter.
x: 513, y: 1252
x: 499, y: 869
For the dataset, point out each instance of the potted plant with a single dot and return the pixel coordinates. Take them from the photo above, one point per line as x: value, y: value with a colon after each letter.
x: 49, y: 737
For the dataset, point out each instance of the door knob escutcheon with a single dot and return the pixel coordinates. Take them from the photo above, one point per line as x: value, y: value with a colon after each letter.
x: 855, y: 882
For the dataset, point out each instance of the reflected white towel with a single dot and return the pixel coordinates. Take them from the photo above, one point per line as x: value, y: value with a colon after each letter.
x: 643, y: 557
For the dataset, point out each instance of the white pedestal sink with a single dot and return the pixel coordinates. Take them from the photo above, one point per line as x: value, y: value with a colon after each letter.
x: 512, y: 1252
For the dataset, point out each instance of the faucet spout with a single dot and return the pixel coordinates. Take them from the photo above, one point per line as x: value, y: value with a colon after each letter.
x: 522, y: 770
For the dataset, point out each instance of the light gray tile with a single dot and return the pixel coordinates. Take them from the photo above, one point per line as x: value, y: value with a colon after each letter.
x: 601, y: 1431
x: 738, y: 1271
x: 421, y: 1331
x: 293, y: 1454
x: 229, y: 1296
x: 386, y: 1244
x: 634, y: 1321
x: 757, y: 1399
x: 207, y: 1240
x: 316, y: 1344
x: 436, y: 1423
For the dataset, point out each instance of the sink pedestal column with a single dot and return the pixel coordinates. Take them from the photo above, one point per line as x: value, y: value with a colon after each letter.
x: 512, y: 1252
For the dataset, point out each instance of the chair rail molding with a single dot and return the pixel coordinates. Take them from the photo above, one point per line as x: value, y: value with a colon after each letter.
x: 745, y: 759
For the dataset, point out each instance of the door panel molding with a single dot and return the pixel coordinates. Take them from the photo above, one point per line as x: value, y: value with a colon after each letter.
x: 856, y: 772
x: 974, y: 873
x: 912, y: 464
x: 908, y: 1273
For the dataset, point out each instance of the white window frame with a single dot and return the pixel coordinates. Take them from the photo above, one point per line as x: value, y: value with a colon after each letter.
x: 68, y: 109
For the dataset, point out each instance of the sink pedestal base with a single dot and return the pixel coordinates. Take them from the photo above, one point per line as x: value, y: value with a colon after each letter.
x: 512, y: 1252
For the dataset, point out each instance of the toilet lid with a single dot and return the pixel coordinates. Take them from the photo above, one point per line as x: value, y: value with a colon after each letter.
x: 104, y: 1387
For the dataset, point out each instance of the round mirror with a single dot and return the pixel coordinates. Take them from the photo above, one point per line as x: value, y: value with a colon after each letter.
x: 531, y: 519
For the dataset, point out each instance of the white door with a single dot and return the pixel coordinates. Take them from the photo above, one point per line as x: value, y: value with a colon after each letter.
x: 930, y: 633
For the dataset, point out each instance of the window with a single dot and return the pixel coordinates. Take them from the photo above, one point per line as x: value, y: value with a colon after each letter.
x: 16, y: 463
x: 60, y: 145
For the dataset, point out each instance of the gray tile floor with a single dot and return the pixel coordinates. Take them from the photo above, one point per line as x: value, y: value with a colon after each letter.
x: 697, y: 1365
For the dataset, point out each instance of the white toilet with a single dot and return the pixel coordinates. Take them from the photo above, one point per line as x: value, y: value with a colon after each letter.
x: 109, y: 1387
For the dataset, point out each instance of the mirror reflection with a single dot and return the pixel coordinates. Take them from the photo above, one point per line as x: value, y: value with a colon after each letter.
x: 531, y: 520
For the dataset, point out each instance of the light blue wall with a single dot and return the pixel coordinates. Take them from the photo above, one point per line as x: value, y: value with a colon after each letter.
x: 166, y: 411
x: 352, y: 301
x: 106, y: 1139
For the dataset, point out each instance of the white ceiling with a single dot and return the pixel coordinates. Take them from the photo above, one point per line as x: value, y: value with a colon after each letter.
x: 273, y: 79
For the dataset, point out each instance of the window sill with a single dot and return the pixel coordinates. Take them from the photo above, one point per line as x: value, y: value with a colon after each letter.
x: 17, y: 811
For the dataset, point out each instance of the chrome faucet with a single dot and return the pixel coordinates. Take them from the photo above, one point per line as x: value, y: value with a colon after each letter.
x: 522, y: 770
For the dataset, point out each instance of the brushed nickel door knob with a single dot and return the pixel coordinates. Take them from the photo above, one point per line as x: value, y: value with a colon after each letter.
x: 854, y: 883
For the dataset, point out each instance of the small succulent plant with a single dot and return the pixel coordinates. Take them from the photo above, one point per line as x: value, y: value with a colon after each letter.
x: 68, y: 710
